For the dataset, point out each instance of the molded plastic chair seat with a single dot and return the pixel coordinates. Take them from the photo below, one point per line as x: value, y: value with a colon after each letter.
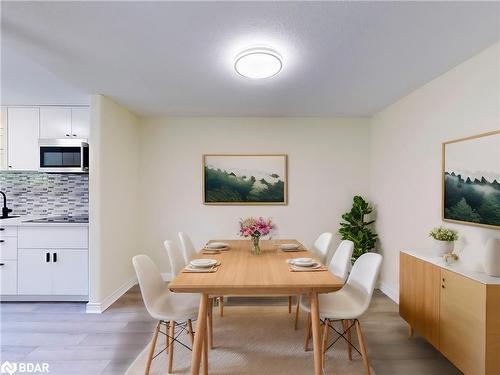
x: 175, y: 306
x: 347, y: 303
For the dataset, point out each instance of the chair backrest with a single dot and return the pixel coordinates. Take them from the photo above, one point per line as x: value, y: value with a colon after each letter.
x: 322, y: 245
x: 175, y: 257
x: 341, y: 260
x: 150, y: 280
x: 187, y: 247
x: 363, y: 276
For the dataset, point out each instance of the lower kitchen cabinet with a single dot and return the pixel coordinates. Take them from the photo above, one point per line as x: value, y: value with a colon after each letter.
x: 8, y: 277
x: 52, y: 272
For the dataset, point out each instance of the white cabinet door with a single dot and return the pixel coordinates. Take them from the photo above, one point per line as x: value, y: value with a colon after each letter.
x: 69, y: 272
x: 80, y: 122
x: 55, y: 122
x: 8, y: 277
x: 23, y: 133
x: 34, y: 272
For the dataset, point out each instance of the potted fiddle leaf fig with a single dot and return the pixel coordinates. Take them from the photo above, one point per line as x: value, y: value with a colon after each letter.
x: 356, y: 229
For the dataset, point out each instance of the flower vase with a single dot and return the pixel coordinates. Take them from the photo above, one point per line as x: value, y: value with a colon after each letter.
x: 256, y: 246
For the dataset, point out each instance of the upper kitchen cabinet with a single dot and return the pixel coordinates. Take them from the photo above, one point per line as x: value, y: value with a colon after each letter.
x: 22, y: 133
x: 64, y: 122
x: 55, y: 122
x: 80, y: 122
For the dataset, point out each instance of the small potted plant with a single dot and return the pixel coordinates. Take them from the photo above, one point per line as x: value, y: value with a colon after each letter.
x: 444, y: 239
x: 255, y: 228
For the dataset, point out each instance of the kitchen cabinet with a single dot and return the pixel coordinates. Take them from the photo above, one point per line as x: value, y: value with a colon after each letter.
x: 64, y: 122
x: 456, y: 310
x: 44, y: 262
x: 34, y: 272
x: 22, y: 138
x: 52, y: 272
x: 80, y: 122
x: 55, y: 122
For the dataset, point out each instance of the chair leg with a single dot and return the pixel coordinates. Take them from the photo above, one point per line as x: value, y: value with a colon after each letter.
x: 345, y: 325
x: 152, y: 349
x: 221, y: 306
x: 325, y: 341
x: 362, y: 347
x: 307, y: 333
x: 190, y: 330
x: 296, y: 326
x: 289, y: 304
x: 210, y: 323
x: 171, y: 333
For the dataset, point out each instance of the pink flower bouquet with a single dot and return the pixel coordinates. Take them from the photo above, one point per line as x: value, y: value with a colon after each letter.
x: 251, y: 227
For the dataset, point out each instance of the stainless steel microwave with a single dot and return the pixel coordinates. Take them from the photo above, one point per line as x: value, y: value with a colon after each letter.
x: 64, y: 155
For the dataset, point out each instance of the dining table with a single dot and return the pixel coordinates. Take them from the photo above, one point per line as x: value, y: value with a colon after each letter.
x: 242, y: 273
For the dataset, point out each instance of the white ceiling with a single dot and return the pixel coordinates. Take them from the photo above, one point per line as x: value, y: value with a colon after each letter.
x: 175, y: 58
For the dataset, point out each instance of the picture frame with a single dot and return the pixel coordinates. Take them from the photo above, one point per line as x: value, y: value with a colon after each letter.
x: 245, y: 179
x: 471, y: 180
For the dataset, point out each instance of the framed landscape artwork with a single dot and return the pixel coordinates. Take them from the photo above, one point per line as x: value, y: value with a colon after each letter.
x: 245, y: 179
x: 471, y: 180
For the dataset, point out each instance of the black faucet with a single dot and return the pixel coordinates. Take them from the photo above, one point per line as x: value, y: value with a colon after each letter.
x: 5, y: 209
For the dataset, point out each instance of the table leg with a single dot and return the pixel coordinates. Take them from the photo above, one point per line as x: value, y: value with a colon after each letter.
x: 199, y: 336
x: 318, y: 365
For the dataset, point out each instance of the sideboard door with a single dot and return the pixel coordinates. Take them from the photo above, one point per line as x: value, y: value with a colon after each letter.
x: 463, y: 322
x: 420, y: 296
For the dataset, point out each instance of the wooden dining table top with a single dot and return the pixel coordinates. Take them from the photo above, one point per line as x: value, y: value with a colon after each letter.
x: 240, y: 272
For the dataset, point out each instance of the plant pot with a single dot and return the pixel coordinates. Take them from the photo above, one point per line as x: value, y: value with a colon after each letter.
x: 491, y: 261
x: 442, y: 247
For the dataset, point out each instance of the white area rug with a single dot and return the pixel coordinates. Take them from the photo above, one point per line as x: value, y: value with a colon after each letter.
x: 254, y: 340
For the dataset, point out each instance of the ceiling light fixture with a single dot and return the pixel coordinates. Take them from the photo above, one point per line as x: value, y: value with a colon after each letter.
x: 258, y: 63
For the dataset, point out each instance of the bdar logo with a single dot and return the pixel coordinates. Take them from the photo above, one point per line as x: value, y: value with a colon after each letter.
x: 8, y: 368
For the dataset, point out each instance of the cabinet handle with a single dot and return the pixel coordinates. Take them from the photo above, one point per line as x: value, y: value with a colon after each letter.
x: 67, y: 135
x: 54, y: 257
x: 442, y: 286
x: 2, y: 240
x: 47, y: 257
x: 2, y: 229
x: 2, y: 264
x: 74, y: 135
x: 10, y: 166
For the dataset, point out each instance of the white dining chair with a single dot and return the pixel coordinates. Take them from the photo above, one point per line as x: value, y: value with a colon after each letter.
x: 170, y: 309
x: 189, y: 251
x: 322, y: 246
x: 177, y: 263
x: 187, y: 246
x: 348, y: 304
x: 339, y: 265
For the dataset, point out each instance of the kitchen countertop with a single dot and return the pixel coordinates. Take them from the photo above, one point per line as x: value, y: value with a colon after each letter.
x: 458, y: 267
x: 21, y: 221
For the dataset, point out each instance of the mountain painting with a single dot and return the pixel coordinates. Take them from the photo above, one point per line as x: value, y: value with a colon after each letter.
x: 245, y: 179
x: 472, y: 180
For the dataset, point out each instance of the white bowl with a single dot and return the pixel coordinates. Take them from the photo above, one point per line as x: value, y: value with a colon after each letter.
x: 203, y: 262
x: 289, y: 246
x: 303, y: 262
x: 217, y: 245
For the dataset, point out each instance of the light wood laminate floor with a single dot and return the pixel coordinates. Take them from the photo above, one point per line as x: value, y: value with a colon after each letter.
x: 73, y: 342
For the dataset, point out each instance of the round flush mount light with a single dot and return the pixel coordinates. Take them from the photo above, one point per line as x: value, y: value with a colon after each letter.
x: 258, y: 63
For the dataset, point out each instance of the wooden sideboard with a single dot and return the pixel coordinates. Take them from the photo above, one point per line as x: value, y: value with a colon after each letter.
x: 457, y: 311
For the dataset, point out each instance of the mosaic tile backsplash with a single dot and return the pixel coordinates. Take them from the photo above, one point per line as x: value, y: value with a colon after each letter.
x: 51, y: 194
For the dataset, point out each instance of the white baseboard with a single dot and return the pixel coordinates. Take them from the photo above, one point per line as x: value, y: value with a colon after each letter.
x: 100, y: 307
x: 389, y: 292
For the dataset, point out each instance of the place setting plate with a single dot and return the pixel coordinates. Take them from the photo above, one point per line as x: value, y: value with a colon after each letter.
x: 305, y: 265
x: 290, y: 247
x: 202, y: 265
x: 215, y: 247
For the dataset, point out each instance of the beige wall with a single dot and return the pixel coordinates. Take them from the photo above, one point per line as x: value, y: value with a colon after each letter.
x: 405, y: 167
x: 114, y: 197
x: 327, y: 166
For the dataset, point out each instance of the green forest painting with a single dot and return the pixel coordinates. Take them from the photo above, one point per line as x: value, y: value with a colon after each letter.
x: 472, y: 180
x: 245, y: 179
